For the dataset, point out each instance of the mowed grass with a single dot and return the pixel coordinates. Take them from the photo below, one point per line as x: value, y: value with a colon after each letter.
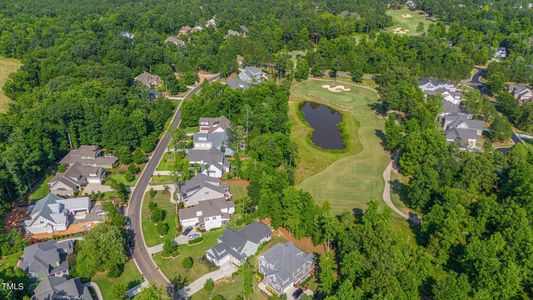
x: 231, y: 288
x: 173, y: 267
x: 407, y: 20
x: 7, y: 66
x: 346, y: 179
x: 151, y: 237
x: 130, y: 277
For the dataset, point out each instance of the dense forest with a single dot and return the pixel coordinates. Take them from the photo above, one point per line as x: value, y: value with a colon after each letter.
x: 76, y: 87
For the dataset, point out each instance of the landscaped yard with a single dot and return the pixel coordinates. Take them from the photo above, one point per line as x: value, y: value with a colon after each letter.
x: 166, y: 162
x: 7, y: 66
x: 41, y: 191
x: 162, y: 179
x: 151, y: 237
x: 347, y: 179
x: 230, y: 288
x: 119, y: 174
x: 130, y: 276
x: 406, y: 21
x: 173, y: 268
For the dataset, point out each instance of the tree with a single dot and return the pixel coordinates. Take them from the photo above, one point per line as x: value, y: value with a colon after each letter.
x: 152, y: 293
x: 326, y: 277
x: 209, y: 285
x: 302, y: 70
x: 103, y: 248
x: 156, y: 214
x: 123, y: 154
x: 500, y: 129
x: 452, y: 286
x: 187, y: 263
x: 393, y: 135
x: 170, y: 248
x: 247, y: 273
x: 420, y: 27
x: 162, y: 228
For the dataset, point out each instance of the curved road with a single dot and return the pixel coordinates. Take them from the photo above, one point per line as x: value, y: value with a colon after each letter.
x: 142, y: 258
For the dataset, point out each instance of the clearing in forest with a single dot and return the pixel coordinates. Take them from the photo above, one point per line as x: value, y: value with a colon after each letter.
x: 7, y: 66
x: 349, y: 178
x: 405, y: 21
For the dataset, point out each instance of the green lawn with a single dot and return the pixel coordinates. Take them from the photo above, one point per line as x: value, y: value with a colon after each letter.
x: 166, y: 162
x: 7, y: 66
x: 347, y: 179
x: 151, y: 237
x: 172, y: 268
x: 119, y: 174
x: 162, y: 179
x: 230, y: 288
x: 41, y: 191
x: 407, y: 20
x: 130, y: 276
x: 238, y: 191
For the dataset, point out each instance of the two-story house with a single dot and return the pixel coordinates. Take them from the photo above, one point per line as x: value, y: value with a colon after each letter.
x: 76, y: 177
x: 212, y: 161
x: 201, y: 188
x: 208, y: 214
x: 47, y: 258
x: 252, y: 75
x: 89, y: 155
x: 236, y: 246
x: 285, y: 266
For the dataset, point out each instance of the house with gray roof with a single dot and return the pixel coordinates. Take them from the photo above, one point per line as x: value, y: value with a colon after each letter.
x: 61, y: 288
x: 236, y: 83
x: 232, y: 32
x: 147, y: 79
x: 201, y: 188
x: 54, y: 213
x: 252, y: 75
x: 218, y: 140
x: 89, y: 155
x: 47, y: 258
x: 285, y: 266
x: 236, y: 246
x: 127, y: 34
x: 208, y: 214
x: 460, y: 127
x: 521, y: 92
x: 448, y: 90
x: 76, y: 177
x: 212, y: 162
x: 175, y: 41
x: 214, y: 125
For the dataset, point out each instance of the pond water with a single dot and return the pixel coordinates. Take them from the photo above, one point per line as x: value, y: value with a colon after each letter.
x: 324, y: 121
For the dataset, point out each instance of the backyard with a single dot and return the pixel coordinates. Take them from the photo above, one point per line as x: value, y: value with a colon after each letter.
x: 7, y: 66
x: 406, y: 21
x: 173, y: 268
x: 349, y: 178
x: 151, y: 237
x: 130, y: 276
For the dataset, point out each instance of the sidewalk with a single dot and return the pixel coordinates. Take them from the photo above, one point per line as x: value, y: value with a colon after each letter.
x: 224, y: 271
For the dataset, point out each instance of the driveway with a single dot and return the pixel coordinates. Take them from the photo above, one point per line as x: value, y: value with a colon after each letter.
x: 95, y: 188
x: 387, y: 198
x: 142, y: 258
x: 224, y: 271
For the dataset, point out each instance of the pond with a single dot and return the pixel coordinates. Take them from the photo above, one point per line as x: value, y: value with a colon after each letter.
x: 324, y: 121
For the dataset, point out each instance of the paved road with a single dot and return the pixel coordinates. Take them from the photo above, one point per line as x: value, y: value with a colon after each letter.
x: 474, y: 81
x: 224, y: 271
x: 142, y: 258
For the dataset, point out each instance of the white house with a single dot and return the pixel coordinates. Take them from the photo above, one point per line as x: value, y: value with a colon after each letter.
x: 53, y: 213
x: 213, y: 125
x: 252, y: 75
x: 212, y: 162
x: 208, y: 214
x: 236, y: 246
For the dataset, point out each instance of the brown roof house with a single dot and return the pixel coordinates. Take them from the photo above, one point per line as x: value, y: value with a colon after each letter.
x: 89, y: 155
x: 76, y: 177
x: 185, y: 30
x: 147, y: 79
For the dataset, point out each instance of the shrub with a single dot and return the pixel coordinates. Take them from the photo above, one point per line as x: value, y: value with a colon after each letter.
x: 187, y: 263
x: 196, y: 240
x: 170, y: 248
x: 209, y: 285
x: 162, y: 228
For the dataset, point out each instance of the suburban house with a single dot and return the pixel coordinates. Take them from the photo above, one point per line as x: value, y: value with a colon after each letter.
x: 196, y: 28
x: 521, y: 92
x: 462, y: 128
x: 209, y: 214
x: 252, y: 75
x: 211, y: 23
x: 212, y: 162
x: 236, y: 246
x: 244, y: 30
x: 147, y: 79
x: 236, y: 83
x: 185, y: 30
x: 174, y: 40
x: 501, y: 52
x: 448, y: 90
x: 52, y: 288
x: 53, y: 213
x: 47, y: 259
x: 76, y: 177
x: 89, y: 155
x: 202, y: 187
x: 127, y: 34
x: 285, y: 266
x: 218, y: 140
x: 212, y: 125
x: 232, y: 33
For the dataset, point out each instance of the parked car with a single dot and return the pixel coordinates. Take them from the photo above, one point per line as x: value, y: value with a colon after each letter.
x: 194, y: 235
x: 297, y: 293
x: 187, y: 230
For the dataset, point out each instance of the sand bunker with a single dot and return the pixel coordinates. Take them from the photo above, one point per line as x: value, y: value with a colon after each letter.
x: 399, y: 30
x: 406, y: 16
x: 336, y: 89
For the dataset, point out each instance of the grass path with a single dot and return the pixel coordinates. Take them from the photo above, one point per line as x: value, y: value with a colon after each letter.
x: 7, y: 66
x: 347, y: 180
